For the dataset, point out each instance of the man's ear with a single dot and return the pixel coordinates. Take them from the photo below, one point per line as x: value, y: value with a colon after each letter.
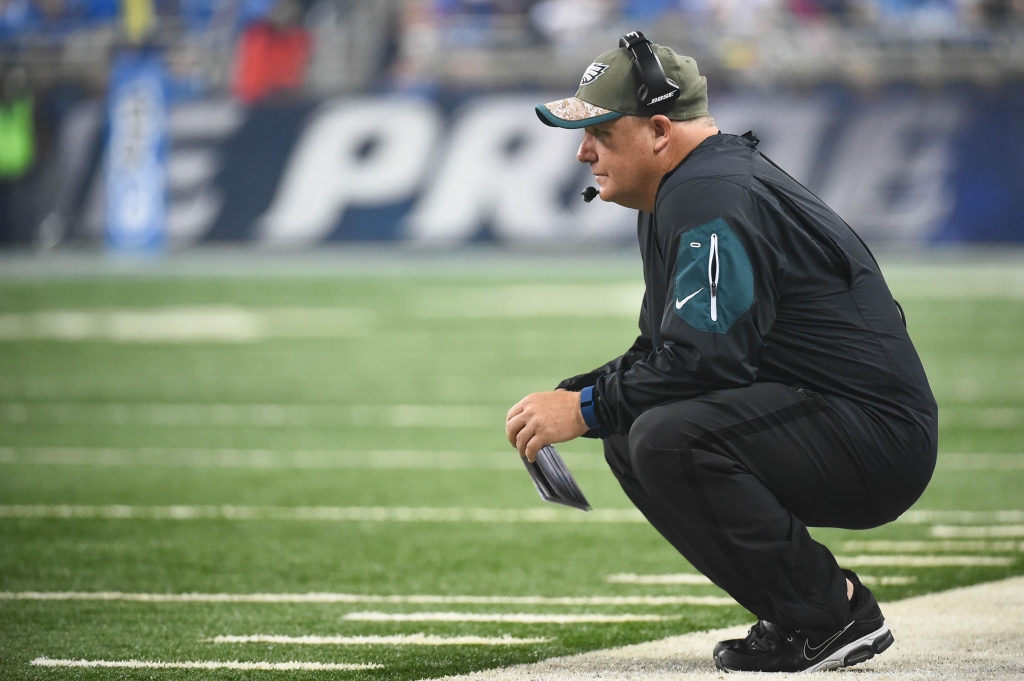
x: 661, y: 129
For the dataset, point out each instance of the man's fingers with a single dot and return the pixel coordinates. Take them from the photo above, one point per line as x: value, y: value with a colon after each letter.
x: 512, y: 428
x: 523, y: 438
x: 533, y: 446
x: 516, y: 409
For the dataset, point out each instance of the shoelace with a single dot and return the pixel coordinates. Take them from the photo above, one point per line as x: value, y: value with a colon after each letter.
x: 769, y: 638
x: 755, y: 632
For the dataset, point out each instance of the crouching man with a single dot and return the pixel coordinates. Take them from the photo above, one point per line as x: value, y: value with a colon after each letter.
x: 773, y: 385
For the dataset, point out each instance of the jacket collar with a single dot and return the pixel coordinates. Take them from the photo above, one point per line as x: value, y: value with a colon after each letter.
x: 719, y: 139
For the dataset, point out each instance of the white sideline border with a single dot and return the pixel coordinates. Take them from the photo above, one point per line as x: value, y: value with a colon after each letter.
x: 206, y: 664
x: 975, y: 632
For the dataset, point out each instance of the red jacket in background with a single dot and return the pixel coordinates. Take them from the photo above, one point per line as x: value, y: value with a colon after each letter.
x: 270, y: 59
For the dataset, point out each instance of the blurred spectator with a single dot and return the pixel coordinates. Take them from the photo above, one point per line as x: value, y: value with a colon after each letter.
x: 16, y: 16
x: 418, y: 40
x: 272, y: 54
x: 138, y: 19
x: 1001, y: 13
x: 648, y: 10
x: 922, y: 18
x: 17, y: 147
x: 569, y: 22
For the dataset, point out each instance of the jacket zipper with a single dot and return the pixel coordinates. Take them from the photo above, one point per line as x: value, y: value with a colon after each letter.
x: 713, y: 270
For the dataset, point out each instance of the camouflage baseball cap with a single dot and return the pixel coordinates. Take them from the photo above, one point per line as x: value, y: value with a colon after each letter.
x: 609, y: 87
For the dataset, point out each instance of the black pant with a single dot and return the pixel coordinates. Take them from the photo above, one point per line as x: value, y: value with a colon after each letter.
x: 733, y: 478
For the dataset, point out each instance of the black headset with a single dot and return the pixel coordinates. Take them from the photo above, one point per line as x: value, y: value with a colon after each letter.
x: 657, y: 91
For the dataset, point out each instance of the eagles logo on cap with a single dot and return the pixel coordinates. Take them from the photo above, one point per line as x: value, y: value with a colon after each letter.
x: 609, y: 88
x: 592, y: 73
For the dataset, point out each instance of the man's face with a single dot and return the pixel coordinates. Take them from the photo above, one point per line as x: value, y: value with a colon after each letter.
x: 620, y: 155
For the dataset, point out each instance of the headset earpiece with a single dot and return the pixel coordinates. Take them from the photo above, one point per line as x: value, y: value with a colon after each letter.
x: 656, y: 91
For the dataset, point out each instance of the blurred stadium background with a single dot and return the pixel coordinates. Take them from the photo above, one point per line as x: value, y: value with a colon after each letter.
x: 295, y: 122
x: 289, y: 393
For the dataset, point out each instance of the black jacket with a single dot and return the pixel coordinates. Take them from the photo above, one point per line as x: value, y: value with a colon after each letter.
x: 751, y: 278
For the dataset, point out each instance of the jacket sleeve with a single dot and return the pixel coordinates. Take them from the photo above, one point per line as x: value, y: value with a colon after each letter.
x: 720, y: 290
x: 640, y: 349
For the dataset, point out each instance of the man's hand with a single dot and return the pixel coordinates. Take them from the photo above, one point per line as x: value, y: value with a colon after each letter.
x: 543, y: 419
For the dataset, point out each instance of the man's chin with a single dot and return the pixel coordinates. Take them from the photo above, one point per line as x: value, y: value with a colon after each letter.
x: 609, y: 195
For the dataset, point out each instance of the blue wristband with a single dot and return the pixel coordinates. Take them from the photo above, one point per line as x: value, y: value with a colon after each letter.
x: 587, y: 408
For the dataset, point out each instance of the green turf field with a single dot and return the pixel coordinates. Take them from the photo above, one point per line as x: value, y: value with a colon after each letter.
x: 343, y: 435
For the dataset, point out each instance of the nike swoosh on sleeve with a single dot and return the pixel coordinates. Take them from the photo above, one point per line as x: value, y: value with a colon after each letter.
x: 680, y: 303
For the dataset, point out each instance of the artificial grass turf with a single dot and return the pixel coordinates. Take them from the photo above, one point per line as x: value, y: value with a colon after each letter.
x: 417, y: 348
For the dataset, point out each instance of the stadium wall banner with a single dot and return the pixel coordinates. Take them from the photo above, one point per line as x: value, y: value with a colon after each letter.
x: 136, y: 159
x: 899, y: 167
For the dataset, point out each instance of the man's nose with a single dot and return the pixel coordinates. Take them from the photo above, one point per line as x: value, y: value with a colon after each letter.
x: 585, y: 154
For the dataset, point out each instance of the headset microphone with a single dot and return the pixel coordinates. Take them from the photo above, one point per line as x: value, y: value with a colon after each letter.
x: 590, y: 193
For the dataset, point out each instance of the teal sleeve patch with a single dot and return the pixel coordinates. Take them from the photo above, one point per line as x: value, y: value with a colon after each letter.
x: 714, y: 283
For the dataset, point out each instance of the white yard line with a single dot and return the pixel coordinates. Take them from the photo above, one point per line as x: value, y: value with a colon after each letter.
x: 971, y: 633
x: 515, y: 617
x: 698, y: 579
x: 205, y: 664
x: 326, y: 514
x: 257, y: 415
x: 980, y: 462
x: 887, y: 580
x: 198, y: 324
x: 981, y: 418
x: 928, y: 546
x: 540, y: 514
x: 681, y: 578
x: 385, y: 459
x: 898, y: 560
x: 930, y: 517
x: 948, y: 531
x: 415, y: 599
x: 267, y: 458
x: 397, y: 640
x: 531, y: 300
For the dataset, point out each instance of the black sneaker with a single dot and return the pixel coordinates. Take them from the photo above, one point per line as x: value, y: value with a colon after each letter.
x: 755, y: 632
x: 776, y: 650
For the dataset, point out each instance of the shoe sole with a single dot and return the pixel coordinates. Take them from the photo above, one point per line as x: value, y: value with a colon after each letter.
x: 857, y: 651
x: 852, y: 653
